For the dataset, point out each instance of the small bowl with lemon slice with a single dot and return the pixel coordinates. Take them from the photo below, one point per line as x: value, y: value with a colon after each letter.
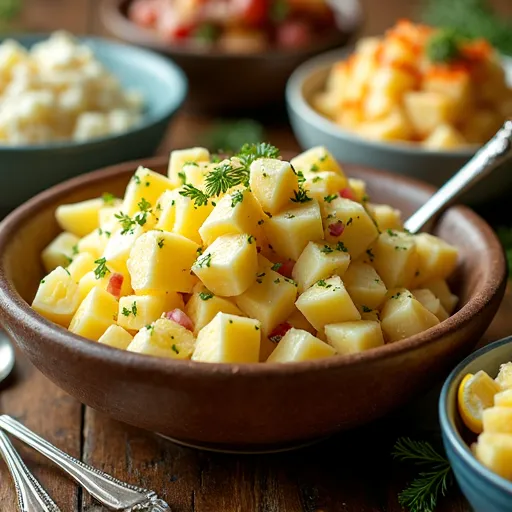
x: 475, y: 410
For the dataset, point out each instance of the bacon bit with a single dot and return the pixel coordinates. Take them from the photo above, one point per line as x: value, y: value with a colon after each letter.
x: 115, y: 283
x: 286, y: 268
x: 336, y: 228
x: 277, y: 334
x: 178, y: 316
x: 347, y: 193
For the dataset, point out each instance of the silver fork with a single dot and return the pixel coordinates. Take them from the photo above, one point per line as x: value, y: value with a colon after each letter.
x: 31, y: 495
x: 110, y: 492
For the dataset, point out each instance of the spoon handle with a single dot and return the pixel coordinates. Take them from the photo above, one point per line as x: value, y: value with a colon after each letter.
x: 31, y: 495
x: 490, y: 156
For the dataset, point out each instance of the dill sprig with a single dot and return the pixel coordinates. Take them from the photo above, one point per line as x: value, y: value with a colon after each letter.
x: 223, y: 177
x: 250, y: 152
x: 198, y: 196
x: 435, y: 479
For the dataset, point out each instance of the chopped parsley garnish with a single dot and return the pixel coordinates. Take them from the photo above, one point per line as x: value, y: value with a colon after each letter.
x: 326, y: 249
x: 330, y: 198
x: 67, y: 271
x: 276, y: 266
x: 390, y: 232
x: 205, y: 295
x: 349, y: 221
x: 43, y: 281
x: 101, y: 270
x: 108, y: 198
x: 396, y: 295
x: 74, y: 250
x: 340, y: 246
x: 314, y: 168
x: 175, y: 348
x: 323, y: 284
x: 256, y: 327
x: 323, y: 158
x: 316, y: 179
x: 365, y: 198
x: 195, y: 164
x: 443, y: 46
x: 260, y: 222
x: 236, y: 197
x: 150, y: 328
x: 300, y: 176
x: 400, y: 248
x: 250, y: 239
x: 136, y: 179
x: 277, y: 281
x: 132, y: 311
x: 289, y: 216
x: 370, y: 254
x: 183, y: 177
x: 366, y: 309
x: 205, y: 260
x: 160, y: 242
x: 127, y: 223
x: 301, y: 195
x: 223, y: 177
x: 68, y: 259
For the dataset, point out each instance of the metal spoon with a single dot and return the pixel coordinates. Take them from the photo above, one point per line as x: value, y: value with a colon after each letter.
x: 497, y: 151
x: 6, y: 356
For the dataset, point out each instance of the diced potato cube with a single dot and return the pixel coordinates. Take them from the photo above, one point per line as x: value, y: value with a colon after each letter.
x: 229, y: 266
x: 119, y: 246
x: 194, y: 173
x: 60, y: 252
x: 495, y: 452
x: 364, y: 286
x: 273, y: 183
x: 454, y: 84
x: 89, y: 281
x: 57, y: 297
x: 497, y: 420
x: 162, y: 261
x: 235, y: 214
x: 314, y: 160
x: 145, y: 185
x: 393, y: 81
x: 431, y: 302
x: 323, y: 184
x: 298, y: 345
x: 180, y: 157
x: 80, y: 218
x: 395, y: 259
x: 319, y: 261
x: 327, y: 302
x: 116, y: 337
x: 503, y: 398
x: 94, y: 243
x: 291, y: 230
x: 229, y: 339
x: 403, y: 316
x: 137, y: 311
x: 164, y: 338
x: 385, y: 216
x: 394, y: 126
x: 166, y: 209
x: 81, y: 264
x: 204, y: 305
x: 440, y: 289
x: 444, y: 136
x: 298, y: 320
x: 348, y: 222
x: 436, y: 258
x: 95, y: 315
x: 358, y: 189
x: 188, y: 218
x: 376, y: 105
x: 270, y: 299
x: 353, y: 337
x: 504, y: 378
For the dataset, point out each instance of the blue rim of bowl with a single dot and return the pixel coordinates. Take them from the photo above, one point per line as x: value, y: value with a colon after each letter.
x: 298, y: 103
x: 147, y: 122
x: 452, y: 433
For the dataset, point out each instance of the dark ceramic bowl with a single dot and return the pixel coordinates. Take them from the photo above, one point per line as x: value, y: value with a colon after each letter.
x: 221, y: 82
x: 485, y: 490
x: 252, y: 406
x: 27, y: 170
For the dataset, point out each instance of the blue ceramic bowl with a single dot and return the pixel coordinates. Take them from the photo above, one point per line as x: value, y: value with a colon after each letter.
x: 27, y: 170
x: 486, y: 491
x: 435, y: 167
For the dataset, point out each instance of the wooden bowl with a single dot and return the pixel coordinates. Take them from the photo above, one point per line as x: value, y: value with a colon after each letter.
x: 221, y: 82
x: 250, y: 406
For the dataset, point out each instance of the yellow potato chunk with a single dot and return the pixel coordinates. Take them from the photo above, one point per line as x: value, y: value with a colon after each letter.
x: 119, y: 246
x: 162, y: 261
x: 298, y: 345
x: 327, y: 302
x: 57, y: 297
x: 166, y: 209
x: 116, y: 337
x: 203, y: 306
x: 94, y: 243
x: 107, y: 213
x: 194, y: 173
x: 164, y: 338
x: 395, y: 259
x: 145, y: 185
x: 354, y: 337
x: 90, y: 280
x: 291, y: 230
x: 298, y: 320
x: 350, y: 218
x: 504, y: 378
x: 81, y: 265
x: 228, y: 339
x: 229, y: 266
x: 137, y: 311
x: 403, y: 316
x: 314, y: 160
x: 273, y: 183
x: 444, y: 137
x: 358, y: 188
x: 180, y: 157
x: 365, y: 286
x: 440, y: 289
x: 95, y: 315
x: 319, y: 261
x: 497, y: 420
x: 394, y: 126
x: 60, y: 252
x: 431, y: 302
x: 79, y: 218
x: 503, y: 398
x: 188, y: 218
x: 386, y: 217
x: 392, y: 81
x: 495, y: 451
x: 235, y: 214
x: 270, y: 299
x: 436, y: 258
x: 324, y: 183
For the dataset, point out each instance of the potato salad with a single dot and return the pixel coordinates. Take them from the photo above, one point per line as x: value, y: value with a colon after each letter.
x: 419, y: 84
x: 58, y: 91
x: 243, y: 260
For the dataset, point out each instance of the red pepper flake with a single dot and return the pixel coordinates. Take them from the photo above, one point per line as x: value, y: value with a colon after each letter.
x: 286, y: 268
x: 178, y: 316
x: 347, y: 193
x: 336, y: 228
x: 277, y: 334
x: 115, y: 283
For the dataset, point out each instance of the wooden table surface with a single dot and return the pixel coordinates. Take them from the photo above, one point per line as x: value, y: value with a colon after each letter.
x: 351, y: 472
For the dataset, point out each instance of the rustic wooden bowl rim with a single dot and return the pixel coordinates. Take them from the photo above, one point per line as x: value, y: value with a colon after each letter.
x: 13, y: 305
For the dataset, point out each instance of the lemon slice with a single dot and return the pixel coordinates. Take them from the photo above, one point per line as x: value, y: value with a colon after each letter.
x: 476, y: 393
